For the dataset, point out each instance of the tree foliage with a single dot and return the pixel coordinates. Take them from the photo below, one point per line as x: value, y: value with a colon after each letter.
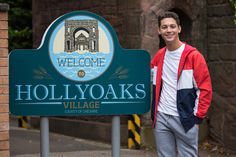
x: 233, y: 3
x: 20, y: 23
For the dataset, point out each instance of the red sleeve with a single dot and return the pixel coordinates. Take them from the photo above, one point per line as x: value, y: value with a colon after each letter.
x: 203, y: 83
x: 153, y: 61
x: 156, y: 58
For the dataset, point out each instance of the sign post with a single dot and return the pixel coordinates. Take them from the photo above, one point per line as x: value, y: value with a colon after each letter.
x: 115, y: 136
x: 44, y: 137
x: 79, y: 69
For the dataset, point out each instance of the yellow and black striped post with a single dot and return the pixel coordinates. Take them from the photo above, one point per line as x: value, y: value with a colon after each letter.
x: 23, y: 122
x: 134, y: 132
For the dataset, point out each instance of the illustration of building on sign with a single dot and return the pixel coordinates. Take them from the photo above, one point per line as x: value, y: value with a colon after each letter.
x: 81, y: 35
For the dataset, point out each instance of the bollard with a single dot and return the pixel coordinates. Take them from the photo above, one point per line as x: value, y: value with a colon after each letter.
x: 134, y: 130
x: 23, y: 122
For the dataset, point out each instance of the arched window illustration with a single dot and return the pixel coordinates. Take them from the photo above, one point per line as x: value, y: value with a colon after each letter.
x: 68, y: 45
x: 81, y: 39
x: 81, y: 35
x: 93, y: 45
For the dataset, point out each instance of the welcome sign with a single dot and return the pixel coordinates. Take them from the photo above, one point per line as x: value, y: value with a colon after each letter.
x: 79, y: 69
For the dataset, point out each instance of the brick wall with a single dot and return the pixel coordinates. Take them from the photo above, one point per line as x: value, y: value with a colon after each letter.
x: 222, y: 65
x: 4, y: 107
x: 123, y: 15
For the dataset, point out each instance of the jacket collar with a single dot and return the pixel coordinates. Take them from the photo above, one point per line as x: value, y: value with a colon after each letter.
x: 187, y: 50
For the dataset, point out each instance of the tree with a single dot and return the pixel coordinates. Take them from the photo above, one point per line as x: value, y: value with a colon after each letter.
x: 233, y: 2
x: 20, y: 24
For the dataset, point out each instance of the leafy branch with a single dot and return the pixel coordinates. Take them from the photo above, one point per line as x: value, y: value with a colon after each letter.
x: 233, y: 3
x: 41, y: 73
x: 20, y: 24
x: 120, y: 73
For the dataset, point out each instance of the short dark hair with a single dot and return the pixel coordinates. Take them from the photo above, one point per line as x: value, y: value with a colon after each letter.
x: 168, y: 14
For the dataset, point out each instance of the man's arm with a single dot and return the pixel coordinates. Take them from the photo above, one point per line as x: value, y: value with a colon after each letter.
x: 203, y: 85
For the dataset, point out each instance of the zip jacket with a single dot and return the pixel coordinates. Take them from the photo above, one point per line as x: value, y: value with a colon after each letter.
x: 194, y: 89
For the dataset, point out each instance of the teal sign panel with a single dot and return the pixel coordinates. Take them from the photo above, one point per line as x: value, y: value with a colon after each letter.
x: 79, y: 69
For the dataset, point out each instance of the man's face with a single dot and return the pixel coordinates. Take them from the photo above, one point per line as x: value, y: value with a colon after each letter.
x: 169, y: 30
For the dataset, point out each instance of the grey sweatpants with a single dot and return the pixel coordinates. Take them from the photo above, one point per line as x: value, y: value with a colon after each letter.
x: 171, y: 138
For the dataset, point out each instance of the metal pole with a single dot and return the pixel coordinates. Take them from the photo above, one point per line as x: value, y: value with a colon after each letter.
x: 44, y: 137
x: 115, y: 136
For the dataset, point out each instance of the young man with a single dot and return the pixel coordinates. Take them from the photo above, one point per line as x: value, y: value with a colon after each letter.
x: 182, y: 92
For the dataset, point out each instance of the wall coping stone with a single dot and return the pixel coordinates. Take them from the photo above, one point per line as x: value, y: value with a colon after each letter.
x: 4, y: 7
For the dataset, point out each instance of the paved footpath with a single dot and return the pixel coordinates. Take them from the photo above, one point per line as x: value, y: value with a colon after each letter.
x: 26, y: 143
x: 125, y: 153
